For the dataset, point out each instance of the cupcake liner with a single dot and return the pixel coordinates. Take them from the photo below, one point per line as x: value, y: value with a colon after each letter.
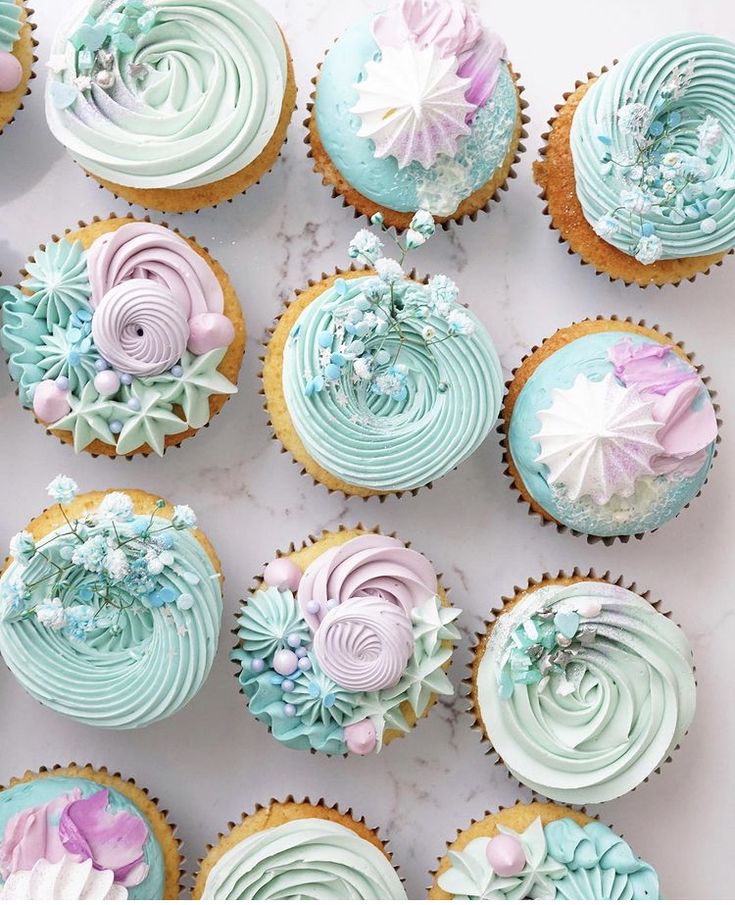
x: 510, y: 471
x: 443, y: 592
x: 310, y: 467
x: 164, y: 831
x: 554, y: 810
x: 360, y: 204
x: 557, y: 183
x: 236, y: 350
x: 320, y: 809
x: 30, y: 13
x: 478, y: 648
x: 231, y: 187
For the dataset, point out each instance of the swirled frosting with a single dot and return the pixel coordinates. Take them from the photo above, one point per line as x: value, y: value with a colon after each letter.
x: 361, y: 642
x: 10, y: 23
x: 149, y: 654
x: 115, y: 342
x: 613, y: 434
x: 148, y: 251
x: 30, y: 814
x: 452, y: 400
x: 588, y: 719
x: 558, y: 860
x: 308, y: 859
x: 194, y: 94
x: 139, y: 328
x: 653, y: 143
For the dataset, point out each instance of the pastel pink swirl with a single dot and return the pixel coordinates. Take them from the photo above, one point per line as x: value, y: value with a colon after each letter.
x: 455, y: 29
x: 147, y: 251
x: 139, y: 328
x: 364, y: 644
x: 370, y: 565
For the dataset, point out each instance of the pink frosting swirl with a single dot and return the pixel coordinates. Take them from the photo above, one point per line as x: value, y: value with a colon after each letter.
x: 370, y: 565
x: 147, y: 251
x: 32, y: 834
x: 455, y: 29
x: 139, y: 328
x: 364, y: 644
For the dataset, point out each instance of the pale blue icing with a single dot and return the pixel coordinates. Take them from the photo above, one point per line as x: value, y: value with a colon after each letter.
x: 646, y: 510
x: 600, y: 865
x: 40, y: 791
x: 380, y: 180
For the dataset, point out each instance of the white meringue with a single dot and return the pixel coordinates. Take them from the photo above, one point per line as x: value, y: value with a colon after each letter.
x: 67, y: 880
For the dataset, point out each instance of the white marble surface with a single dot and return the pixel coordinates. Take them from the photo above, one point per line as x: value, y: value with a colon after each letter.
x: 213, y: 760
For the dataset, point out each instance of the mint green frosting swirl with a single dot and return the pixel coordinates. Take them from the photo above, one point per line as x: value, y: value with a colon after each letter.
x: 611, y: 717
x: 307, y: 859
x: 454, y: 394
x: 142, y: 664
x: 202, y: 101
x: 9, y: 24
x: 645, y: 77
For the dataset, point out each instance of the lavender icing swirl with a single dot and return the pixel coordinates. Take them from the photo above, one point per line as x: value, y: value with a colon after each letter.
x: 365, y: 643
x: 151, y: 252
x: 139, y: 328
x: 368, y: 566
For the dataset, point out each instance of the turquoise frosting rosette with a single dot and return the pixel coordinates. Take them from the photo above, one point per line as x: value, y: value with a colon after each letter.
x: 110, y: 607
x: 348, y: 653
x: 388, y: 383
x: 120, y: 346
x: 553, y: 858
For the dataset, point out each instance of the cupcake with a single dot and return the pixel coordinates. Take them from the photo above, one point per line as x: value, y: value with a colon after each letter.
x: 345, y: 643
x: 417, y: 108
x: 542, y: 851
x: 583, y: 687
x: 171, y: 104
x: 16, y: 57
x: 110, y: 607
x: 298, y: 850
x: 610, y: 430
x: 80, y: 833
x: 377, y: 383
x: 124, y: 337
x: 637, y: 171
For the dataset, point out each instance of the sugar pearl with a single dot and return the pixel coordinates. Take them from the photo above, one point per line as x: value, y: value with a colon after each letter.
x: 285, y: 662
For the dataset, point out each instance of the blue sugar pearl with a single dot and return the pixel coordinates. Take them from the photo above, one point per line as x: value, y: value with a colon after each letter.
x: 134, y: 404
x: 382, y: 357
x: 289, y: 710
x: 714, y: 205
x: 257, y: 664
x: 126, y: 379
x: 287, y: 685
x: 73, y: 358
x: 332, y: 372
x: 355, y: 316
x: 301, y: 652
x: 313, y: 607
x: 325, y: 339
x: 62, y: 382
x: 337, y: 359
x: 329, y: 699
x: 304, y: 664
x: 177, y: 371
x: 647, y: 229
x: 101, y: 365
x: 294, y: 640
x: 115, y: 426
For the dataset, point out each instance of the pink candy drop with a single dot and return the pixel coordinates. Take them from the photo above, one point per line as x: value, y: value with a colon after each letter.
x: 283, y: 574
x: 11, y: 72
x: 49, y: 402
x: 505, y: 855
x: 361, y: 737
x: 209, y: 331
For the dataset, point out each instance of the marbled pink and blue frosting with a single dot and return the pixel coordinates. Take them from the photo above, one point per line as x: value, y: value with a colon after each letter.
x: 72, y: 823
x: 331, y: 657
x: 116, y: 343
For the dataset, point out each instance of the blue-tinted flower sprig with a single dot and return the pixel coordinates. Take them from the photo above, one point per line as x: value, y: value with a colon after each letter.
x: 369, y: 331
x: 659, y: 178
x: 107, y: 561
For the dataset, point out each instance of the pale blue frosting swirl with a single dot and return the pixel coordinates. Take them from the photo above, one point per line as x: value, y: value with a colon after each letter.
x: 641, y: 78
x: 10, y: 24
x: 454, y: 394
x: 141, y: 666
x: 307, y: 859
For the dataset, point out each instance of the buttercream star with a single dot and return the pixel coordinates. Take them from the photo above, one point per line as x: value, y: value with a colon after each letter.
x: 89, y: 418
